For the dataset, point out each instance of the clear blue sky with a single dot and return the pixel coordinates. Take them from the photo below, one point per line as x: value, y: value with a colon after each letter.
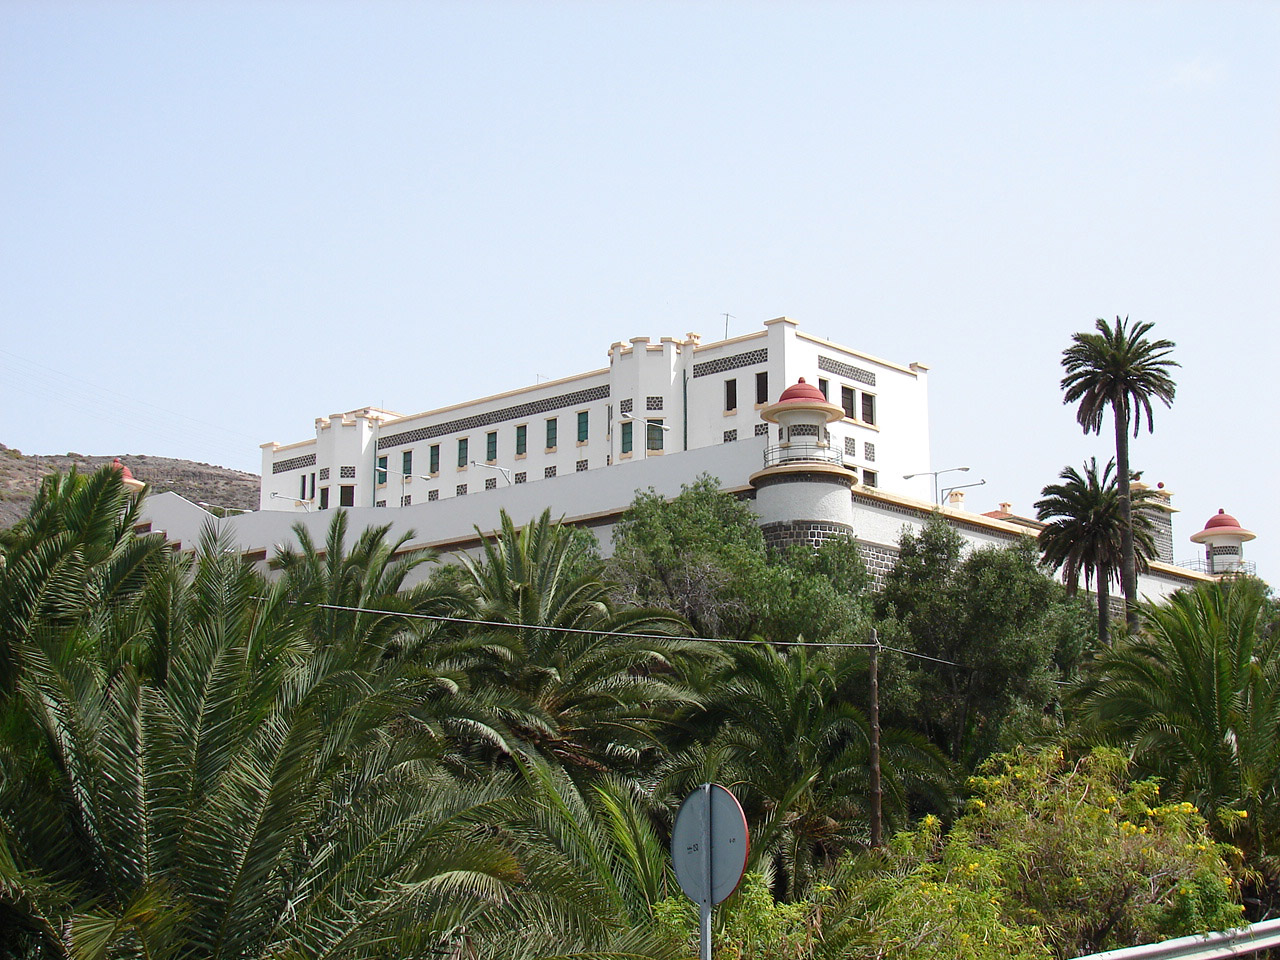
x: 219, y: 220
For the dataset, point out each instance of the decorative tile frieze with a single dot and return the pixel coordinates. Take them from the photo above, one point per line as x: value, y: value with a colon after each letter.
x: 848, y: 371
x: 519, y: 411
x: 737, y: 360
x: 297, y: 463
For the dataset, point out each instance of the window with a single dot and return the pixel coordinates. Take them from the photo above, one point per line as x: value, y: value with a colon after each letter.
x: 406, y: 500
x: 522, y: 440
x: 762, y: 387
x: 406, y: 463
x: 730, y: 395
x: 825, y: 387
x: 548, y: 473
x: 433, y: 495
x: 847, y: 401
x: 626, y: 436
x: 433, y: 458
x: 868, y: 408
x: 462, y: 453
x: 869, y: 451
x: 380, y: 475
x: 584, y: 425
x: 347, y: 495
x: 491, y: 483
x: 653, y: 439
x: 730, y: 436
x: 521, y: 477
x: 324, y: 498
x: 491, y: 446
x: 551, y: 433
x: 302, y: 487
x: 379, y: 503
x: 460, y: 490
x: 581, y: 466
x: 869, y: 478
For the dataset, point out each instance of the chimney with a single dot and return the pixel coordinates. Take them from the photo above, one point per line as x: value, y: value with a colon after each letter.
x: 955, y: 500
x: 1006, y: 506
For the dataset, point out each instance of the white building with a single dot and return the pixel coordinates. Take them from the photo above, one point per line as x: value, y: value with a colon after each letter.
x: 825, y: 457
x: 653, y: 399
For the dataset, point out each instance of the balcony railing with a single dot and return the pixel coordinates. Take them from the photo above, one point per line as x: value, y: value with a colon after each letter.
x: 799, y: 451
x: 1246, y: 568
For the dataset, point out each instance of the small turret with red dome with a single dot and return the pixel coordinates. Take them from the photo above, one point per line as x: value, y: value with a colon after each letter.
x: 126, y: 475
x: 801, y: 398
x: 1223, y: 540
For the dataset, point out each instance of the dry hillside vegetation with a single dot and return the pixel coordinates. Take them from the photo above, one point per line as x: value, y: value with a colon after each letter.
x: 20, y: 475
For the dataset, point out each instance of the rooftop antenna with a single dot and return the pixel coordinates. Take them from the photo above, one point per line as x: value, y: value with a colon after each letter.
x: 727, y: 318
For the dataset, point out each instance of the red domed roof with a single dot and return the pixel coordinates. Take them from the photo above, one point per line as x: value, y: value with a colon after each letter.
x: 802, y: 391
x: 1221, y: 519
x: 122, y: 469
x: 1222, y: 523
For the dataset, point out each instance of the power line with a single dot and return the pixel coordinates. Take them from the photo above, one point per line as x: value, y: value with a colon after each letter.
x: 617, y: 633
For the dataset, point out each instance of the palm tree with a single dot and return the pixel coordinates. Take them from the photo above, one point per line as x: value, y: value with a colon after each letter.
x: 780, y: 729
x: 74, y: 554
x: 1083, y: 535
x: 263, y: 799
x: 586, y: 685
x: 1120, y: 370
x: 1196, y: 697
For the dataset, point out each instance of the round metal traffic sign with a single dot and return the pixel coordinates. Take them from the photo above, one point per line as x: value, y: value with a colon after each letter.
x: 709, y: 844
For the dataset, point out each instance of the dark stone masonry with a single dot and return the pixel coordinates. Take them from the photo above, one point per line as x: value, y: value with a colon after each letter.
x: 879, y: 561
x: 784, y: 534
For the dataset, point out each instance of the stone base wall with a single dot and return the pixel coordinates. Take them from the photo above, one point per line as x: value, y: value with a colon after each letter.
x: 879, y: 561
x: 781, y: 535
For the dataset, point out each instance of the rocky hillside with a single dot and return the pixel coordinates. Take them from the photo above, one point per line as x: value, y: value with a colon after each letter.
x: 20, y: 475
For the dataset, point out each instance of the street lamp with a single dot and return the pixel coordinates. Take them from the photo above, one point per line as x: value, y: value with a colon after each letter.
x: 648, y: 424
x: 935, y: 474
x: 493, y: 466
x: 947, y: 491
x: 306, y: 504
x: 403, y: 476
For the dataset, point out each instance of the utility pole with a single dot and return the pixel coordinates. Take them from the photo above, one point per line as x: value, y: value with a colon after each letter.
x: 727, y: 318
x: 877, y: 793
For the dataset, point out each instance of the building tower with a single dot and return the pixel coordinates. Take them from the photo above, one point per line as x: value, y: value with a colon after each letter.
x: 1223, y: 540
x: 802, y: 494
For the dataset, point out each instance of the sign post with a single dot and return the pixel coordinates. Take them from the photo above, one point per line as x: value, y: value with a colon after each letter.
x: 709, y: 851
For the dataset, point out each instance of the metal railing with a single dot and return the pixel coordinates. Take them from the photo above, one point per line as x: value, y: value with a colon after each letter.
x: 799, y: 451
x: 1201, y: 565
x: 1203, y: 946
